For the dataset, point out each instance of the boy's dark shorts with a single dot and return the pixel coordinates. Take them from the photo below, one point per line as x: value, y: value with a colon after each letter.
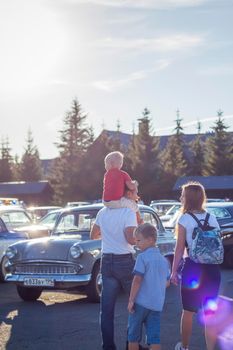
x: 199, y: 283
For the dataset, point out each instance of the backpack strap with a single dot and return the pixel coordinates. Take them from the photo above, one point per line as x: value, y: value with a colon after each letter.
x: 205, y: 224
x: 196, y: 219
x: 206, y: 220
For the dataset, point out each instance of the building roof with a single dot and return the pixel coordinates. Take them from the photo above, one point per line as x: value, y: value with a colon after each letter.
x: 22, y: 187
x: 126, y: 138
x: 209, y: 182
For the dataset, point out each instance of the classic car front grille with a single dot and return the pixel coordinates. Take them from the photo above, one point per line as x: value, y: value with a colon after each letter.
x: 45, y: 269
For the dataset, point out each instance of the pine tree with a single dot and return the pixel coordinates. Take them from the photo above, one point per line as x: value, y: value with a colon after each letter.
x: 6, y: 164
x: 197, y: 163
x: 143, y: 158
x: 75, y: 138
x: 16, y: 168
x: 173, y: 158
x: 30, y: 166
x: 93, y: 168
x: 219, y: 149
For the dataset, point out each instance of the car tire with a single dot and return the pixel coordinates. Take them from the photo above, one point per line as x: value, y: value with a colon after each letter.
x: 3, y: 270
x: 29, y: 293
x: 228, y: 258
x: 93, y: 289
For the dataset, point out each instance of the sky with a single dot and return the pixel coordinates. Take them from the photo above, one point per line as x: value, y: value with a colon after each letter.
x: 116, y: 57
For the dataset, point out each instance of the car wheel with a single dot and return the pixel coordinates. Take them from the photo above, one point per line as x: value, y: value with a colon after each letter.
x: 93, y: 289
x: 3, y: 270
x: 228, y: 259
x: 29, y: 294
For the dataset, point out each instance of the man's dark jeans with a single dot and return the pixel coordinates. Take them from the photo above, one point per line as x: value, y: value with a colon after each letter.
x: 116, y: 275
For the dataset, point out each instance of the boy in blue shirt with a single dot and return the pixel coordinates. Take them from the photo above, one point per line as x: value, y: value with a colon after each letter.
x: 147, y: 294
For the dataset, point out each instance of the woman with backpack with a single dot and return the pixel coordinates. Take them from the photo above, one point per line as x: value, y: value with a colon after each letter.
x: 199, y: 244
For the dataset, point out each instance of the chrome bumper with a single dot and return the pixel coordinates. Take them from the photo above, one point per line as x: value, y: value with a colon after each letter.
x: 75, y: 280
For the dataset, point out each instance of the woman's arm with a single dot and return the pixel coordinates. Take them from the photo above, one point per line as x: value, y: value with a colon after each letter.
x: 179, y: 251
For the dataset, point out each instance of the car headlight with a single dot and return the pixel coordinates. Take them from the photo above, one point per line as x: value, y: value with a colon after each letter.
x: 76, y: 251
x: 11, y: 252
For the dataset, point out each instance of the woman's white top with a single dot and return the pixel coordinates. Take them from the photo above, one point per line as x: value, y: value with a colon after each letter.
x: 189, y: 223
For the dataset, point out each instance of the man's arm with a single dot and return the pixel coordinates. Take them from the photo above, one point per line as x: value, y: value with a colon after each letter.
x: 95, y: 232
x: 129, y: 234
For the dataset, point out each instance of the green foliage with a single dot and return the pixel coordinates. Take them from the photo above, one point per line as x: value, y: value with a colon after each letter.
x: 6, y: 164
x: 142, y: 159
x: 30, y: 166
x: 75, y: 139
x: 173, y: 158
x: 92, y: 168
x: 197, y: 162
x: 219, y: 150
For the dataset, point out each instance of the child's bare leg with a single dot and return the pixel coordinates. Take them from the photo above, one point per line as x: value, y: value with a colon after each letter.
x: 133, y: 346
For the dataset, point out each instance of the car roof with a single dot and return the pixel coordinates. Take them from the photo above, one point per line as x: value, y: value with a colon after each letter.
x: 219, y: 204
x: 97, y: 206
x: 11, y: 208
x: 44, y: 207
x: 165, y: 203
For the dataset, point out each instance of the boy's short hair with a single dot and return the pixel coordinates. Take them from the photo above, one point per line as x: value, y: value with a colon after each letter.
x: 113, y: 160
x: 147, y: 231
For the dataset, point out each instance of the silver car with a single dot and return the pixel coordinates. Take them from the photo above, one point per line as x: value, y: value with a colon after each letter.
x: 68, y: 259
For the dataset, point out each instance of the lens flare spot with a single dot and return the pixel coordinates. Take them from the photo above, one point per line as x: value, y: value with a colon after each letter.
x: 193, y: 284
x: 211, y: 305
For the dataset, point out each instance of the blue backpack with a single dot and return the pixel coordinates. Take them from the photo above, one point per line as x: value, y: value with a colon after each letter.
x: 206, y: 247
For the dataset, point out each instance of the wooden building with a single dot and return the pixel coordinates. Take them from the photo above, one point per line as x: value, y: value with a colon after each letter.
x: 215, y: 186
x: 31, y: 193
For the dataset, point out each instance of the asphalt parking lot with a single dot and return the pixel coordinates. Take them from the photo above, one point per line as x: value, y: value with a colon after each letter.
x: 66, y: 321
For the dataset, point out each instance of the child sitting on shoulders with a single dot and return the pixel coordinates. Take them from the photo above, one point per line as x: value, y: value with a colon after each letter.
x: 119, y: 190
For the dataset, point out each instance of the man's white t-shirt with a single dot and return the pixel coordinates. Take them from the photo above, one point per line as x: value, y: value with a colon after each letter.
x: 190, y: 223
x: 112, y: 223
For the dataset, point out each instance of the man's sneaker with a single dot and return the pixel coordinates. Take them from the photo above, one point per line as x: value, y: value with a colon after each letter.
x: 180, y: 347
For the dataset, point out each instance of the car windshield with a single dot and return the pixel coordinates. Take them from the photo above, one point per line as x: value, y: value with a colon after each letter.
x: 49, y: 219
x: 220, y: 213
x: 173, y: 209
x: 13, y: 219
x: 75, y: 222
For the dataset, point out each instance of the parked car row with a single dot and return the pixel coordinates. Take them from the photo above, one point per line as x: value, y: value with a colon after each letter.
x: 68, y: 259
x: 63, y: 257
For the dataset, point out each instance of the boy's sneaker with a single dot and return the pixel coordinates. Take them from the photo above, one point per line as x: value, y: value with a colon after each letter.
x: 180, y: 347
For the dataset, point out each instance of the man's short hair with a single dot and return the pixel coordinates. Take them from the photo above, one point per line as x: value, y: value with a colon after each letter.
x: 147, y: 231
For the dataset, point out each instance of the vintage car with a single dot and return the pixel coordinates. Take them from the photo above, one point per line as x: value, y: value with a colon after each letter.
x: 68, y: 259
x: 162, y: 206
x: 38, y: 213
x: 14, y: 216
x: 43, y: 227
x: 7, y: 237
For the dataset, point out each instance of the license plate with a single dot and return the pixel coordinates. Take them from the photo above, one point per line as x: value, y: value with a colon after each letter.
x: 38, y: 282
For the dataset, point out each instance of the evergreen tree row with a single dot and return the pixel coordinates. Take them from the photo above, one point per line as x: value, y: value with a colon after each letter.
x: 77, y: 173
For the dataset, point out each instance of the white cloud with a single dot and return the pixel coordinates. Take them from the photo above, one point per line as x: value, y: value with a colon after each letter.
x: 167, y: 43
x: 221, y: 70
x: 111, y: 85
x: 156, y: 4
